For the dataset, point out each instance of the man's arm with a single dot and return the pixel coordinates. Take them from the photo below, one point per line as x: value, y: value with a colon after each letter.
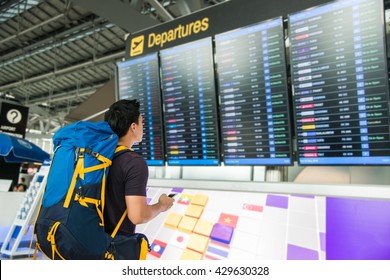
x: 139, y: 212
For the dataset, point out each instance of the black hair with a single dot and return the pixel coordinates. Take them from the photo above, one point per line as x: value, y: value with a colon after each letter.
x: 121, y: 115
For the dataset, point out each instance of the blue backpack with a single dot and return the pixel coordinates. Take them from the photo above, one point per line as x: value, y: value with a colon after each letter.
x: 70, y: 222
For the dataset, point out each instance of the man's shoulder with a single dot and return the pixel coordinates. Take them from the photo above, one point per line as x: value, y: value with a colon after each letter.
x: 130, y: 156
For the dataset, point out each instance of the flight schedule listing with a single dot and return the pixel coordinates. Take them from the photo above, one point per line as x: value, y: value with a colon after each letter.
x: 253, y: 95
x: 340, y: 83
x: 139, y: 79
x: 190, y: 104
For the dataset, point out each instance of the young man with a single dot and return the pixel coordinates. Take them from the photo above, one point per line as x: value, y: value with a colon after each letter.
x: 128, y: 176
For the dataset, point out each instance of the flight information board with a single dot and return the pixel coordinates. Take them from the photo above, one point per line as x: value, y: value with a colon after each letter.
x: 139, y: 79
x: 253, y: 95
x: 340, y: 83
x: 189, y: 100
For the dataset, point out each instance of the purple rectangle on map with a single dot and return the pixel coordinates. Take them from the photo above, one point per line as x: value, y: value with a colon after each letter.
x: 300, y: 253
x: 222, y: 233
x: 277, y: 201
x: 217, y: 251
x: 177, y: 190
x: 357, y: 229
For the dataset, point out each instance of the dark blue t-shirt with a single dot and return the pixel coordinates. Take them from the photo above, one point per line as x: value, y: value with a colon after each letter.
x: 128, y: 175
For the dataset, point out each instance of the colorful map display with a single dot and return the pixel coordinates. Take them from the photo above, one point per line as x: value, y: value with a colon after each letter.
x: 215, y: 225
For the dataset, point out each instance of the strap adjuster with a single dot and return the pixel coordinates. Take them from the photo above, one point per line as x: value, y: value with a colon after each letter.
x: 89, y: 151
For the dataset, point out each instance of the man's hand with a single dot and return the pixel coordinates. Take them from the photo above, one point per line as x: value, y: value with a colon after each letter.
x: 165, y: 202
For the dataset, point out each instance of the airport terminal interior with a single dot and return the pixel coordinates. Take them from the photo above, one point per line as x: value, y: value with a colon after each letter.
x: 269, y: 121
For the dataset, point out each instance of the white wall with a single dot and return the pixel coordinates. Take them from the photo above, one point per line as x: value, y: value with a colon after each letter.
x: 220, y: 173
x: 9, y: 206
x: 373, y: 175
x: 370, y: 175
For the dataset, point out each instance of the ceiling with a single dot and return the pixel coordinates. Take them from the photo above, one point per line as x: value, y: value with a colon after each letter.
x: 54, y: 54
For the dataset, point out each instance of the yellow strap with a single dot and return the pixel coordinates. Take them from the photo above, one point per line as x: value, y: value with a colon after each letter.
x: 31, y: 241
x: 35, y: 251
x: 84, y: 200
x: 104, y: 159
x: 81, y: 159
x: 52, y: 240
x: 80, y: 171
x: 40, y: 249
x: 106, y: 163
x: 78, y: 198
x: 79, y: 166
x: 96, y: 167
x: 109, y: 256
x: 121, y: 148
x: 100, y: 213
x: 103, y: 196
x: 144, y: 249
x: 119, y: 224
x: 58, y: 253
x: 52, y: 231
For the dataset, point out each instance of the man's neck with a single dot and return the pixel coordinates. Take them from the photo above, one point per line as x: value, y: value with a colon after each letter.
x: 125, y: 141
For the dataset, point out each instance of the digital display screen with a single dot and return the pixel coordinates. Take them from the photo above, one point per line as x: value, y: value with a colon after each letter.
x: 139, y: 79
x: 340, y: 84
x: 253, y: 95
x: 190, y: 104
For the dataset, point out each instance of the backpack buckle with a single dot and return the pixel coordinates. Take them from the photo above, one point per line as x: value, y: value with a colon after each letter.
x: 89, y: 151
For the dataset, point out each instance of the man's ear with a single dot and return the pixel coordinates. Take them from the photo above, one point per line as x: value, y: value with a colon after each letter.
x: 129, y: 130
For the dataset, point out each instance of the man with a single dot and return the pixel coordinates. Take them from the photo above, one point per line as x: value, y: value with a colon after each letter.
x: 128, y: 176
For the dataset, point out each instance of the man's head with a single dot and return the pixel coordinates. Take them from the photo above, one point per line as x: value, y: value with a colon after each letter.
x: 122, y: 115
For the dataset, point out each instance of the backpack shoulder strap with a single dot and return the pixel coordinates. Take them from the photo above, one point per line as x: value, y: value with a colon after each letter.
x: 118, y: 151
x: 113, y: 234
x: 121, y: 150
